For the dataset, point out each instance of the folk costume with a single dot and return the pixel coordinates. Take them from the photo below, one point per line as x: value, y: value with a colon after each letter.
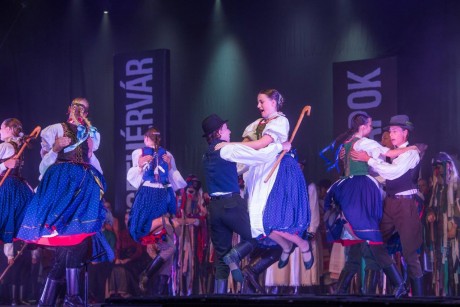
x: 67, y: 211
x: 15, y: 195
x: 154, y: 200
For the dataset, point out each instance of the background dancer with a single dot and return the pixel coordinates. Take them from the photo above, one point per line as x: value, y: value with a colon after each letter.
x: 155, y: 175
x: 359, y: 198
x: 401, y: 210
x: 15, y: 195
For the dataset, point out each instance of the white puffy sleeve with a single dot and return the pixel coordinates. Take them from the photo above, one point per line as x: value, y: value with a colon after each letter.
x: 175, y: 178
x: 48, y: 136
x: 6, y: 151
x: 136, y: 172
x: 278, y: 129
x: 373, y: 148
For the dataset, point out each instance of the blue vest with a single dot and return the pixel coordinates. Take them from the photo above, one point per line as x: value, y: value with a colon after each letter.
x: 221, y: 175
x: 157, y: 171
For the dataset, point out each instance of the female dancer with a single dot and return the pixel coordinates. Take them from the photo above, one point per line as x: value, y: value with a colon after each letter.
x: 67, y: 210
x: 154, y: 173
x: 278, y: 209
x: 15, y: 193
x: 359, y: 198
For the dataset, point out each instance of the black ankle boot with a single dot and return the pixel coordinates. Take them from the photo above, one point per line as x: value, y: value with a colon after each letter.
x: 72, y: 297
x: 258, y: 265
x: 396, y: 280
x: 417, y: 286
x: 371, y: 280
x: 343, y: 285
x: 236, y: 254
x: 49, y: 294
x: 153, y: 267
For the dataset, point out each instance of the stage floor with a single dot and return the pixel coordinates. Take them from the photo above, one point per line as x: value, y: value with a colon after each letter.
x: 281, y: 300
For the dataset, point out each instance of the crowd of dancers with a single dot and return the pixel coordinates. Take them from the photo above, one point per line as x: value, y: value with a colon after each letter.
x: 257, y: 228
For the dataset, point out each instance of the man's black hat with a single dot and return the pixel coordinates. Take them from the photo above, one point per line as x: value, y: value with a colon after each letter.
x: 212, y: 123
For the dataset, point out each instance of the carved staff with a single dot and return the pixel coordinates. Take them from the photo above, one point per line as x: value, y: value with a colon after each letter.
x: 305, y: 109
x: 33, y: 135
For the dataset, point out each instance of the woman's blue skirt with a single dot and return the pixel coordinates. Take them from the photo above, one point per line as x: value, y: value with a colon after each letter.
x: 360, y: 200
x: 288, y: 208
x: 15, y: 195
x: 68, y: 200
x: 149, y: 204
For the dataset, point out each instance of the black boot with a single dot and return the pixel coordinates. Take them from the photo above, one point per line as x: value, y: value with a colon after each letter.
x: 258, y: 265
x: 417, y: 286
x: 343, y: 285
x: 236, y: 254
x: 220, y: 286
x: 162, y: 286
x: 14, y: 294
x: 396, y: 280
x: 153, y: 267
x: 49, y: 293
x: 371, y: 280
x: 72, y: 297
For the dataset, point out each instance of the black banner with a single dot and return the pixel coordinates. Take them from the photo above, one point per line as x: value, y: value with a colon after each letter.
x: 141, y: 97
x: 367, y: 85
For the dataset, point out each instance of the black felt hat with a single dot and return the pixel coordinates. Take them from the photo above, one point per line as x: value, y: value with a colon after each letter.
x: 212, y: 123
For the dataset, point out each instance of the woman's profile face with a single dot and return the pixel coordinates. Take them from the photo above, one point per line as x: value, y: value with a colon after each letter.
x: 266, y: 105
x: 5, y: 132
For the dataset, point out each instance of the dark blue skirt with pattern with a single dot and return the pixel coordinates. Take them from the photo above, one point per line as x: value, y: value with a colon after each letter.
x: 149, y: 204
x: 68, y: 200
x: 360, y: 200
x: 287, y: 207
x: 15, y: 195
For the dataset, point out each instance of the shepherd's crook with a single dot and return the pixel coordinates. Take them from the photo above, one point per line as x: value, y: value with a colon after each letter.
x: 305, y: 109
x: 33, y: 135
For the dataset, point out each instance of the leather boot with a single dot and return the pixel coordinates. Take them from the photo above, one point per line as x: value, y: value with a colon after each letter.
x: 220, y: 286
x: 396, y: 280
x: 343, y: 285
x: 162, y: 287
x: 260, y: 264
x: 14, y: 294
x: 22, y: 300
x: 417, y: 286
x: 153, y: 267
x: 72, y: 297
x: 371, y: 280
x: 49, y: 293
x: 236, y: 254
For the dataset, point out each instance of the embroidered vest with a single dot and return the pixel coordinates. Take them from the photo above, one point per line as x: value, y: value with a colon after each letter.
x: 80, y: 153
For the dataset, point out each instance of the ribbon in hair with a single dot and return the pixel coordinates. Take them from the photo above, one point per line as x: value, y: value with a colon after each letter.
x: 331, y: 164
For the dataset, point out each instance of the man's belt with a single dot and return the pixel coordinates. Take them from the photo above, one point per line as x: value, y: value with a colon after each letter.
x: 229, y: 195
x: 411, y: 196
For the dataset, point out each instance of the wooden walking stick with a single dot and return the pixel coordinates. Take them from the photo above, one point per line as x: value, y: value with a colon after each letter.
x: 14, y: 260
x: 33, y: 135
x: 306, y: 109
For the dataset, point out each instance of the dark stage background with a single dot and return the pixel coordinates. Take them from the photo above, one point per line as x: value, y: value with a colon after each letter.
x: 222, y: 52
